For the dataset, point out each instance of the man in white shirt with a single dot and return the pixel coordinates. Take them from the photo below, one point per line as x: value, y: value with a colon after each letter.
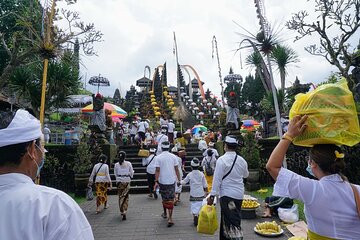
x: 143, y: 127
x: 46, y: 132
x: 30, y: 211
x: 160, y: 138
x: 166, y: 176
x: 171, y: 127
x: 149, y: 162
x: 229, y: 186
x: 133, y: 132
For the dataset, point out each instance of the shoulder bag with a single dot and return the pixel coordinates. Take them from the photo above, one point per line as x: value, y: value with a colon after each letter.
x: 230, y: 168
x: 150, y: 160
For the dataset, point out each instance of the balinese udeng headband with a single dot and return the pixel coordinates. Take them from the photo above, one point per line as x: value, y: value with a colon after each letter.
x: 23, y: 128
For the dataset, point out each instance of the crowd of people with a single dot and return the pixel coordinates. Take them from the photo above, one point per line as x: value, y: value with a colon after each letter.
x: 31, y: 211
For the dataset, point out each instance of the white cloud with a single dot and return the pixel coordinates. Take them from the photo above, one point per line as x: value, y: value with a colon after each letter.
x: 139, y: 33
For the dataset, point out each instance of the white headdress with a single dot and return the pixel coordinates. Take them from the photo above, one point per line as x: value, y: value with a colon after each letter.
x: 23, y: 128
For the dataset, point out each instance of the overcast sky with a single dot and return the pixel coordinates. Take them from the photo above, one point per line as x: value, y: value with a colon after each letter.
x: 140, y: 32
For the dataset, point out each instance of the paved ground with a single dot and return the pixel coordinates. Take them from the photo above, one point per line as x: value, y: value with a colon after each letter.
x: 144, y: 221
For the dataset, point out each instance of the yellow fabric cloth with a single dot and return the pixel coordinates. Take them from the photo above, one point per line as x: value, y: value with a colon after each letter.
x: 101, y: 192
x: 209, y: 180
x: 315, y: 236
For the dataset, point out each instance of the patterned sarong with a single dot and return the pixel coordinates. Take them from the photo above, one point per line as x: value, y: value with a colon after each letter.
x: 230, y: 226
x: 101, y: 192
x: 209, y: 180
x: 123, y: 193
x: 167, y: 192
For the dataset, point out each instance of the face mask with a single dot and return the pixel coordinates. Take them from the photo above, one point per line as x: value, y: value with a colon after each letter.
x: 41, y: 163
x: 39, y: 166
x: 309, y: 170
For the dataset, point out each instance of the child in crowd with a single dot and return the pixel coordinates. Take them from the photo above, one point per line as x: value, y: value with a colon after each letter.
x: 198, y: 188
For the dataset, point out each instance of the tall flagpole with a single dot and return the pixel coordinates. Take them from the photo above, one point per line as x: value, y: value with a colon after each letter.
x: 214, y: 45
x: 177, y: 69
x: 47, y: 44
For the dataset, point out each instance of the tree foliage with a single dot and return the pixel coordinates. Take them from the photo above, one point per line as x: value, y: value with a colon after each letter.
x: 252, y: 93
x: 283, y: 56
x: 333, y: 16
x: 62, y: 81
x: 21, y: 35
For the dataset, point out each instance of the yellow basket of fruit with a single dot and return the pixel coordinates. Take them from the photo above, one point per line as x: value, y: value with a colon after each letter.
x: 249, y: 204
x: 268, y: 229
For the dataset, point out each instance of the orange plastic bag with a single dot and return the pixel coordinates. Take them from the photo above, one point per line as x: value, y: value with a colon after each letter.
x: 332, y: 116
x: 208, y: 223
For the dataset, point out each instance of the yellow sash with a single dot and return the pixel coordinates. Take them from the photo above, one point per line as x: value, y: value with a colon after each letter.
x: 315, y: 236
x: 101, y: 174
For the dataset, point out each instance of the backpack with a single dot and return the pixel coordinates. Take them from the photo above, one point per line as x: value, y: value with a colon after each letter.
x: 208, y: 169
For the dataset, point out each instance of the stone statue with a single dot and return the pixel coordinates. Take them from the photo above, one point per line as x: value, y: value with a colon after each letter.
x: 232, y: 113
x: 98, y: 118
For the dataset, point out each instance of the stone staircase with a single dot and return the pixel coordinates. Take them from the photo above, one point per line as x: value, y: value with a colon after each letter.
x: 139, y: 182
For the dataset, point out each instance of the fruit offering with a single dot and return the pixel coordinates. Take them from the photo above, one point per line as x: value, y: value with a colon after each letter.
x: 250, y: 204
x: 268, y: 227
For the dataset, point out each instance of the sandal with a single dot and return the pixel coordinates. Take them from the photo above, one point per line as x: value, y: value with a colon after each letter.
x: 170, y: 224
x: 163, y: 215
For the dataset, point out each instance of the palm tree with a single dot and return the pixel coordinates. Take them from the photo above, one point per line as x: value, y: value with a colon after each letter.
x: 256, y: 60
x: 283, y: 55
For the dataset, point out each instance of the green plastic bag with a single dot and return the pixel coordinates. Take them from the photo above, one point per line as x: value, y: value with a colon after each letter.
x: 332, y: 116
x: 207, y: 223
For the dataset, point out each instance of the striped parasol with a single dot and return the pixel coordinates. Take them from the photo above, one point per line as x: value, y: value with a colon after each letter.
x: 197, y: 128
x: 116, y: 111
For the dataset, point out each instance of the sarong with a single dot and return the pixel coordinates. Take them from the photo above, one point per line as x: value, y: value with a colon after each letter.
x: 195, y: 204
x: 171, y: 137
x: 230, y: 225
x: 151, y: 181
x: 167, y: 192
x: 98, y: 118
x: 101, y: 192
x: 209, y: 180
x: 123, y: 193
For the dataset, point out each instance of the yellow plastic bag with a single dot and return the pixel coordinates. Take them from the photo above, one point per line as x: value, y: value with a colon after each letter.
x: 207, y: 223
x: 332, y: 116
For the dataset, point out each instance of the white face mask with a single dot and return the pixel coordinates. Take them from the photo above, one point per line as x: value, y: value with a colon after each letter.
x: 41, y: 163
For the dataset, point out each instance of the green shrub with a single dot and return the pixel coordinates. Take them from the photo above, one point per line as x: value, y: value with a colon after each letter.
x: 82, y: 163
x: 250, y: 151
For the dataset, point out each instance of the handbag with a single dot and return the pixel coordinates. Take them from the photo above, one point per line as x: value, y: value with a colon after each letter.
x: 89, y: 194
x: 143, y: 153
x: 208, y: 223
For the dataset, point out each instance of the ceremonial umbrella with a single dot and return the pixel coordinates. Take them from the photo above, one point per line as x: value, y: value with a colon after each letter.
x: 116, y: 111
x: 197, y: 128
